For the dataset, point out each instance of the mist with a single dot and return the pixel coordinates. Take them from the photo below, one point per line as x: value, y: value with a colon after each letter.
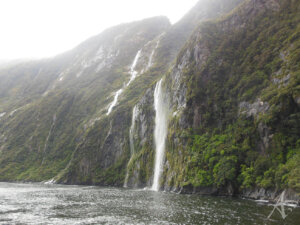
x: 37, y: 29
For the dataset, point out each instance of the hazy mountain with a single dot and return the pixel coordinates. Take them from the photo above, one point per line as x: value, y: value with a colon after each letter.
x: 229, y: 100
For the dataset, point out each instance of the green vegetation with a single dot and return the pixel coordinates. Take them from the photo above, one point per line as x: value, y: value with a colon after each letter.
x: 255, y: 63
x: 240, y: 127
x: 75, y: 146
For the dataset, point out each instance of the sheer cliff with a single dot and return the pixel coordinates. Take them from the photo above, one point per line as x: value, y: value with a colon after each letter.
x: 233, y: 101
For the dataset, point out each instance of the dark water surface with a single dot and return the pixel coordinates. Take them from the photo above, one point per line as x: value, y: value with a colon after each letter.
x: 60, y: 204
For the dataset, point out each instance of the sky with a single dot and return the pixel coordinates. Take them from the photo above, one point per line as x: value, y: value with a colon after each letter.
x: 45, y: 28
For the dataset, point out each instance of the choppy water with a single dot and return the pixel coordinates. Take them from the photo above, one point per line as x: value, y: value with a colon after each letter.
x: 60, y: 204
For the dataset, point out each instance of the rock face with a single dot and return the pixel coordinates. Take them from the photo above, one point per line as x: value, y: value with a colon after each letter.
x: 272, y: 195
x: 180, y: 32
x: 140, y: 169
x: 230, y: 79
x: 202, y: 112
x: 253, y: 109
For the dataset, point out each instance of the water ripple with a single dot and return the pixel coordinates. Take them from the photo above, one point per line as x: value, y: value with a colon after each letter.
x: 59, y: 204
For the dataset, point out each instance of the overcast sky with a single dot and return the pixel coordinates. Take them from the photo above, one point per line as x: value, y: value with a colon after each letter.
x: 44, y: 28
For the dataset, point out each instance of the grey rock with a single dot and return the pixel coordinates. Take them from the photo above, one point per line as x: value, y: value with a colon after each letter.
x: 142, y: 133
x: 284, y: 80
x: 265, y: 136
x: 269, y: 194
x: 253, y: 109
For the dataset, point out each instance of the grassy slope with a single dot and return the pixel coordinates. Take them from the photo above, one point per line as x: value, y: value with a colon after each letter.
x: 36, y: 148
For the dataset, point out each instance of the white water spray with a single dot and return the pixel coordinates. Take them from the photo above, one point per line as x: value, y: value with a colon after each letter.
x: 160, y: 133
x: 131, y: 141
x: 133, y: 74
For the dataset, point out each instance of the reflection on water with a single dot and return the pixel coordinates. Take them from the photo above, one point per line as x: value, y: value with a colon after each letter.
x: 60, y: 204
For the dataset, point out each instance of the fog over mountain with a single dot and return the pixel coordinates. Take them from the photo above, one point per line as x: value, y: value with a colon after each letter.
x: 37, y: 29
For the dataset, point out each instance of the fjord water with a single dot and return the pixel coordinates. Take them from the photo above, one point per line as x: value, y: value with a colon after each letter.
x: 61, y: 204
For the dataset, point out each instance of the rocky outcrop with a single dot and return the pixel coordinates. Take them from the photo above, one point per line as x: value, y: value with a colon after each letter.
x: 253, y: 109
x: 271, y: 195
x: 283, y: 81
x: 247, y: 11
x: 179, y: 33
x: 260, y: 194
x: 139, y: 169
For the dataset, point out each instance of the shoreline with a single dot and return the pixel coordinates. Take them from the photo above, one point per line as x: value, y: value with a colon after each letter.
x: 259, y: 195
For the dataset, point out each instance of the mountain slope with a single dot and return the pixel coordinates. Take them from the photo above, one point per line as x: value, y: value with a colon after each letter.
x: 179, y: 33
x: 229, y: 92
x: 102, y: 158
x: 233, y: 107
x: 237, y: 124
x: 48, y: 105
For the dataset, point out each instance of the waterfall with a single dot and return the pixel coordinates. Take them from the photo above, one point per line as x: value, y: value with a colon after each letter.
x: 134, y: 115
x: 160, y: 133
x: 131, y: 141
x: 151, y: 55
x: 47, y: 139
x: 133, y: 74
x: 114, y: 102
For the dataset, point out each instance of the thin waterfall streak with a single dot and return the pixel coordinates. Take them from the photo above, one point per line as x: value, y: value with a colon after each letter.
x: 151, y: 55
x: 133, y: 72
x: 133, y: 75
x: 114, y: 102
x: 131, y: 142
x: 47, y: 139
x: 134, y: 115
x: 160, y: 134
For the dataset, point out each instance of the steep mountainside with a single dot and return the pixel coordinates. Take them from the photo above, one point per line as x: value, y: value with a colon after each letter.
x: 221, y: 84
x: 233, y: 107
x: 102, y: 158
x: 178, y: 34
x: 47, y: 106
x: 68, y: 117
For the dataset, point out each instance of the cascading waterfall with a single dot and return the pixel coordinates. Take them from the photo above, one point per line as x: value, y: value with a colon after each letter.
x: 151, y: 55
x: 131, y: 141
x: 114, y: 102
x: 134, y: 116
x: 133, y: 74
x: 160, y: 133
